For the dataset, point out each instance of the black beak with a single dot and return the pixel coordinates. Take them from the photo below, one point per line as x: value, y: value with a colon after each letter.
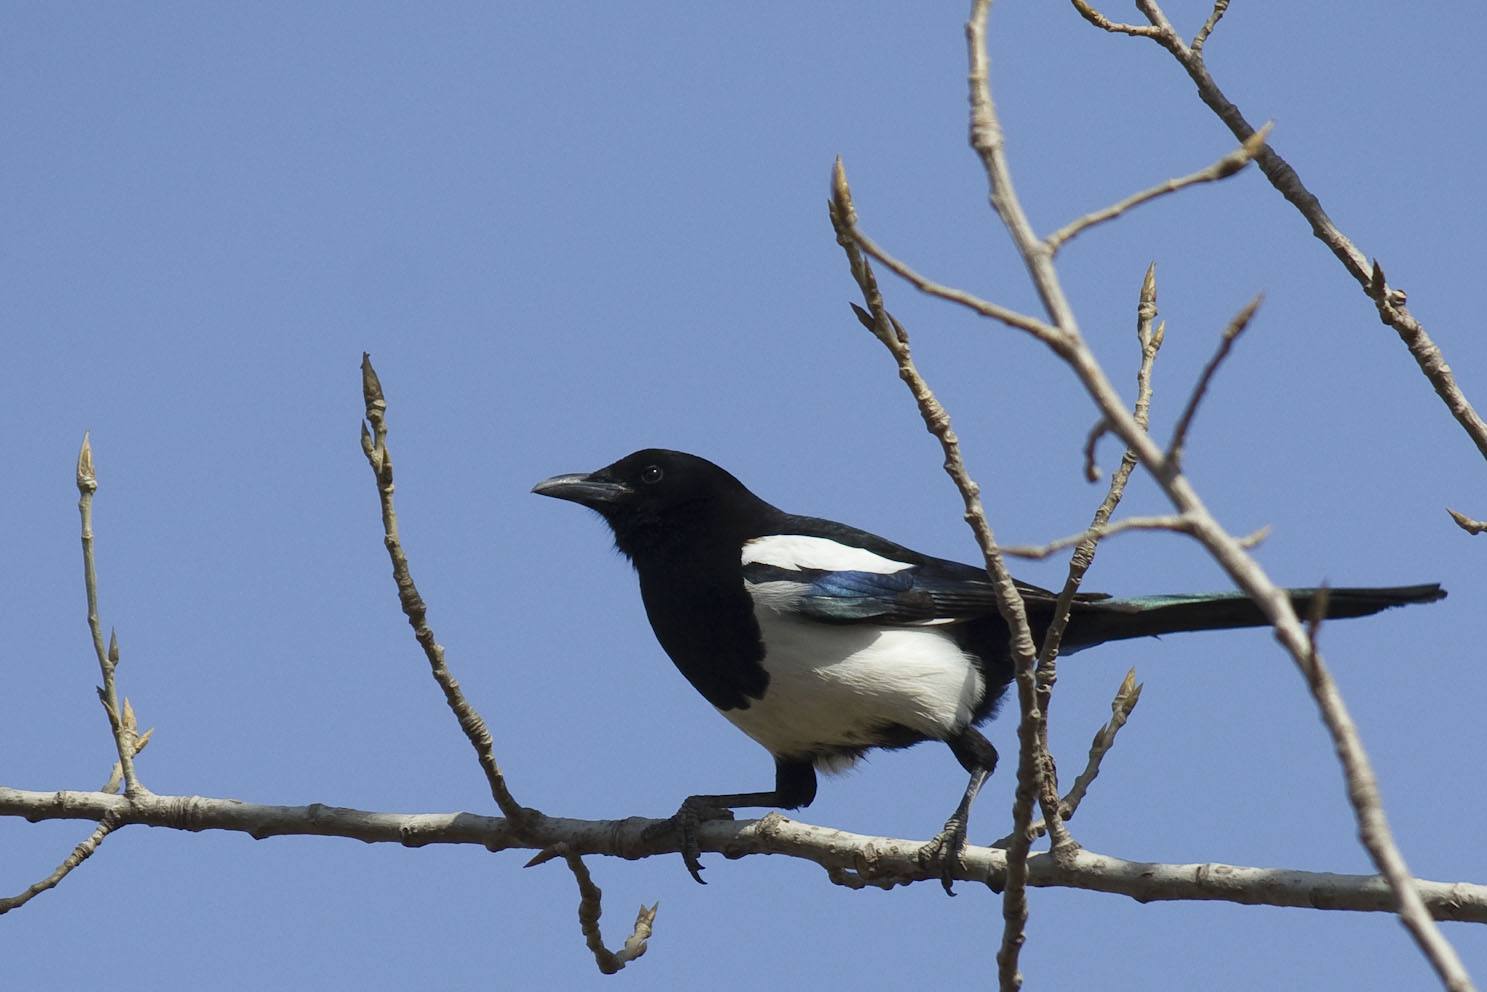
x: 583, y: 489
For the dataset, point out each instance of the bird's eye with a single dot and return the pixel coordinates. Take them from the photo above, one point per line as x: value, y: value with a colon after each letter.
x: 651, y: 474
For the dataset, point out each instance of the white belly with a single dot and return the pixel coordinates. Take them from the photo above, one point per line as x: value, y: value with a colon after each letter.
x: 832, y: 686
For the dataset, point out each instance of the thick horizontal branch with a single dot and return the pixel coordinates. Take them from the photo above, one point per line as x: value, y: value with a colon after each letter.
x: 879, y: 860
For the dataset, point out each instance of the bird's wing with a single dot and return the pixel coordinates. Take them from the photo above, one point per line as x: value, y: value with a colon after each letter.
x: 918, y: 594
x: 834, y: 573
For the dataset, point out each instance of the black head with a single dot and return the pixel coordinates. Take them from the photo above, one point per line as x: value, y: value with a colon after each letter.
x: 657, y: 500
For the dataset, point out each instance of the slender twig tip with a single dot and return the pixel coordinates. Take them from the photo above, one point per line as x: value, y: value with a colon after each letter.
x: 1467, y: 523
x: 863, y: 317
x: 87, y: 480
x: 1255, y: 142
x: 1239, y: 323
x: 841, y: 193
x: 1254, y: 539
x: 543, y: 856
x: 371, y: 386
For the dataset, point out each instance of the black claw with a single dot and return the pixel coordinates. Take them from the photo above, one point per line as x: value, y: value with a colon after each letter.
x: 946, y: 849
x: 685, y: 823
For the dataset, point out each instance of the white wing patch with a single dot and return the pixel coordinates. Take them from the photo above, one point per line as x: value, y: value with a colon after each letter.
x: 797, y: 551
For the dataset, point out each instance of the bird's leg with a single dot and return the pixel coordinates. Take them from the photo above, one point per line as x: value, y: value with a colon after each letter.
x: 977, y: 756
x: 794, y: 787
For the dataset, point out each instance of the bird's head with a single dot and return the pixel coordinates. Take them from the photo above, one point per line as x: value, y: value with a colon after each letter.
x: 658, y: 501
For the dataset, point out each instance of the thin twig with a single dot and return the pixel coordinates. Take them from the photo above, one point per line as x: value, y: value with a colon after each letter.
x: 1054, y: 810
x: 1226, y: 342
x: 925, y: 285
x: 1201, y: 38
x: 986, y: 141
x: 1091, y: 444
x: 1099, y: 20
x: 591, y: 907
x: 1126, y: 698
x: 106, y: 825
x: 1225, y: 167
x: 1009, y: 602
x: 374, y: 446
x: 108, y: 656
x: 1037, y: 552
x: 1467, y: 523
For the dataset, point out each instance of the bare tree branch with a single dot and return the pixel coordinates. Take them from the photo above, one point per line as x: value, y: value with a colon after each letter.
x: 1054, y: 810
x: 1126, y: 698
x: 591, y: 907
x: 108, y: 657
x: 1226, y: 342
x: 1222, y: 169
x: 83, y: 851
x: 1467, y: 523
x: 1201, y: 38
x: 1037, y: 552
x: 1091, y: 444
x: 1066, y: 341
x: 995, y: 311
x: 1362, y: 787
x: 1388, y: 300
x: 1022, y: 650
x: 1099, y: 20
x: 106, y: 825
x: 986, y: 141
x: 879, y: 858
x: 374, y: 446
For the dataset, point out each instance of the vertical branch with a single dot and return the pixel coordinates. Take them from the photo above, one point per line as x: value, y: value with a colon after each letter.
x: 374, y: 446
x: 1009, y: 601
x: 986, y: 140
x: 108, y: 657
x: 1084, y: 555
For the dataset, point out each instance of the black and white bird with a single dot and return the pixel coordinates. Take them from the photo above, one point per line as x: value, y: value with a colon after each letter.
x: 822, y: 641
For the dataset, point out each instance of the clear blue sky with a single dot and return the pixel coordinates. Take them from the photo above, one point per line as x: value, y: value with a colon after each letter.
x: 567, y: 231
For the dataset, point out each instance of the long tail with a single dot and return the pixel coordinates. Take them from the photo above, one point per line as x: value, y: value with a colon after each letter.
x: 1094, y: 622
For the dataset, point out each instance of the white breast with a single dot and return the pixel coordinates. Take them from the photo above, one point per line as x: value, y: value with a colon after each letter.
x: 833, y: 686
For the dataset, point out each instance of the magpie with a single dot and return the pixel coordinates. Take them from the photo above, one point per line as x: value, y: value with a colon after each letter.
x: 822, y: 641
